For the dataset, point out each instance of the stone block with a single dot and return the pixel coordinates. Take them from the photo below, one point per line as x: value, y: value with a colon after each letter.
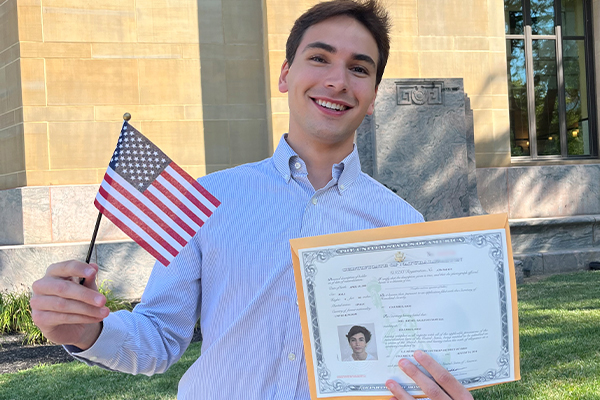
x: 139, y: 113
x: 13, y: 180
x: 452, y: 18
x: 58, y: 113
x: 89, y: 21
x: 492, y: 189
x: 173, y: 22
x: 182, y: 141
x: 126, y: 266
x: 30, y: 23
x: 55, y: 50
x: 365, y: 138
x: 12, y: 150
x: 248, y: 141
x: 37, y: 223
x: 552, y: 234
x: 554, y: 190
x: 568, y: 261
x: 79, y: 82
x: 9, y: 119
x: 36, y: 145
x: 9, y: 28
x: 217, y: 142
x: 242, y: 21
x: 69, y: 140
x: 11, y: 217
x: 170, y: 82
x: 12, y: 83
x: 531, y: 263
x: 402, y: 64
x: 136, y: 50
x: 74, y: 215
x: 403, y: 155
x: 23, y: 265
x: 472, y: 43
x: 62, y: 177
x: 210, y: 22
x: 245, y: 81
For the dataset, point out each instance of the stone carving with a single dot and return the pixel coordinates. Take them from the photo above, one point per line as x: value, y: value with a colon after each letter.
x: 420, y: 144
x: 420, y: 93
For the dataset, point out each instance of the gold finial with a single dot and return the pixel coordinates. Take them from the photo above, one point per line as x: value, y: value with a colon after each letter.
x: 126, y: 116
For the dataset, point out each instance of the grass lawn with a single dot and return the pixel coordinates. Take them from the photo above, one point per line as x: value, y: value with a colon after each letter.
x: 560, y: 355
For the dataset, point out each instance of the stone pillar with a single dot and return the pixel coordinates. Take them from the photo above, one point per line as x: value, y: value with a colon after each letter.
x: 420, y: 144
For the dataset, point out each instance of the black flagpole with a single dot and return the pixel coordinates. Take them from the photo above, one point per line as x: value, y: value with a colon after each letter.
x: 126, y: 117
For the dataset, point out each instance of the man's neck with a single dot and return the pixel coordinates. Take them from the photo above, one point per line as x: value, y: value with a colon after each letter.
x: 320, y: 158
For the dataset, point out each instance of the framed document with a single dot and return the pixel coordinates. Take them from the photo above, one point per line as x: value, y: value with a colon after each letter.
x: 369, y: 298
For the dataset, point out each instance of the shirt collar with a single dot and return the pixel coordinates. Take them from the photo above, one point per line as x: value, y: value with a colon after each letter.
x: 345, y: 172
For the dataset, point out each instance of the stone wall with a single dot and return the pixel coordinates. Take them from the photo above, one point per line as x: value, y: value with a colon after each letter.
x: 12, y: 147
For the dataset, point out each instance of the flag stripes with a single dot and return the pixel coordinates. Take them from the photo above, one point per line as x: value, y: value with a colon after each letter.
x: 152, y: 199
x: 122, y: 224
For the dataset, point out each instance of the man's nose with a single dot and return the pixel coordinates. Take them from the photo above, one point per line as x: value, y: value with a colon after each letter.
x: 337, y: 78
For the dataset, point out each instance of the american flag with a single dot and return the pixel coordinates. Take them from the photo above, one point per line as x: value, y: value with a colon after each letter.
x: 150, y: 198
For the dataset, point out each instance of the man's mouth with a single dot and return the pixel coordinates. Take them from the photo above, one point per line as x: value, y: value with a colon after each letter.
x: 330, y: 105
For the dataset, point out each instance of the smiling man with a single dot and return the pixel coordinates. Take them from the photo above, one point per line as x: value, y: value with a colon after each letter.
x: 236, y: 273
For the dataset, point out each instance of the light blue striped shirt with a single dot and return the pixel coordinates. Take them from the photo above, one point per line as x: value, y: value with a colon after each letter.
x: 236, y: 276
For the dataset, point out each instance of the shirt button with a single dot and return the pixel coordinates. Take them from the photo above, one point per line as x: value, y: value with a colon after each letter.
x: 93, y: 358
x: 314, y: 201
x: 291, y: 356
x: 342, y: 187
x: 298, y: 165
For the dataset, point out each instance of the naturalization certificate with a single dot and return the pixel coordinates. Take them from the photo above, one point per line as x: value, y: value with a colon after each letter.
x: 368, y: 298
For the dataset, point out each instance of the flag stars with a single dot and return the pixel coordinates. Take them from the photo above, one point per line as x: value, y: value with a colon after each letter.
x: 135, y: 152
x: 147, y: 146
x: 155, y: 153
x: 136, y: 158
x: 128, y: 151
x: 139, y: 139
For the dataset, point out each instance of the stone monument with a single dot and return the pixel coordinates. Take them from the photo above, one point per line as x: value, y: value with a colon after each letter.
x: 420, y: 144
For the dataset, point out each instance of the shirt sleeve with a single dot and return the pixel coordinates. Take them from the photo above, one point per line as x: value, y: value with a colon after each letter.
x: 158, y: 331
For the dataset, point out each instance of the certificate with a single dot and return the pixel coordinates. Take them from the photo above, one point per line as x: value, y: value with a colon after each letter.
x: 368, y: 298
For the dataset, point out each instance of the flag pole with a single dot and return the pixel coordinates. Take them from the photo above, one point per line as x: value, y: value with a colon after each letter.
x: 126, y: 117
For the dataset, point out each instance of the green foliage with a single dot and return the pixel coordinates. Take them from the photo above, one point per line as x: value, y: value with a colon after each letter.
x: 15, y: 312
x: 113, y: 302
x: 15, y: 316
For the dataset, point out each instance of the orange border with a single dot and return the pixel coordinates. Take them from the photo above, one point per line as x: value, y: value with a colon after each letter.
x: 458, y: 225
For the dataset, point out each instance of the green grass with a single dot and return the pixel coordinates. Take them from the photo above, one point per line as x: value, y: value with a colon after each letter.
x: 559, y: 321
x: 76, y: 380
x: 560, y: 355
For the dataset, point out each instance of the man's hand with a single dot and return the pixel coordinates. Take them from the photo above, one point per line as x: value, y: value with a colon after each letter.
x: 444, y: 387
x: 65, y: 311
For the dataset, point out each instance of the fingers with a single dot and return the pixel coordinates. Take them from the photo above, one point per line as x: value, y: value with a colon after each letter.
x: 50, y: 319
x: 444, y: 378
x: 67, y: 289
x: 62, y: 305
x: 68, y: 269
x: 444, y: 386
x: 397, y: 391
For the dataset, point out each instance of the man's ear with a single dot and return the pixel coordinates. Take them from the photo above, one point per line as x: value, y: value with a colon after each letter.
x: 371, y: 108
x: 285, y: 69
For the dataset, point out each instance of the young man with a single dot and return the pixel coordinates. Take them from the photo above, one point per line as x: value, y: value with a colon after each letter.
x: 236, y: 273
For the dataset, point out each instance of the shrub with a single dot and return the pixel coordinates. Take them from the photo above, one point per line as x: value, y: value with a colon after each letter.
x: 15, y: 312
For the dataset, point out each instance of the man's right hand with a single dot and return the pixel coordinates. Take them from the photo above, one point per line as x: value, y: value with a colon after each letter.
x: 65, y: 311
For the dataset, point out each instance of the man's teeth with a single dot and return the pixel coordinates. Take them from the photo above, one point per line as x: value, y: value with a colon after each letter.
x: 330, y: 105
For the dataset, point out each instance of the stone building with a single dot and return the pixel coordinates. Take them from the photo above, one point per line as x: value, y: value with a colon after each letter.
x: 200, y: 79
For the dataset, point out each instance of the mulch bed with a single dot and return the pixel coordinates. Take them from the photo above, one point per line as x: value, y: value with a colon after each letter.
x: 14, y: 356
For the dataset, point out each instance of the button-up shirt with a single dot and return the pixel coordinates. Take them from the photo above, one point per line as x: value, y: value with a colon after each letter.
x: 236, y: 275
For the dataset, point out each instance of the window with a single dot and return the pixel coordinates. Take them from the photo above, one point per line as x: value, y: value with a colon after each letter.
x: 550, y: 79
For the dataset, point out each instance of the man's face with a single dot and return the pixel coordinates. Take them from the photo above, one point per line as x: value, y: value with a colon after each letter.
x: 358, y: 343
x: 331, y: 83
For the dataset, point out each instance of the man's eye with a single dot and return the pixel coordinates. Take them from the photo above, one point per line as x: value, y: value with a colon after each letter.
x: 317, y: 59
x: 360, y: 70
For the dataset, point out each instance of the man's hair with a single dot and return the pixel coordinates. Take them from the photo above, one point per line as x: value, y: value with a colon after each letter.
x: 367, y: 12
x: 359, y: 329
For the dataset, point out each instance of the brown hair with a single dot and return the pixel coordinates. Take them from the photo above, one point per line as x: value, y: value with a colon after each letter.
x: 356, y: 329
x: 367, y: 12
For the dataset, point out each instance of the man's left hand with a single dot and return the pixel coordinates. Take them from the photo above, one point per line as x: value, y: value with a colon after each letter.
x: 443, y: 386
